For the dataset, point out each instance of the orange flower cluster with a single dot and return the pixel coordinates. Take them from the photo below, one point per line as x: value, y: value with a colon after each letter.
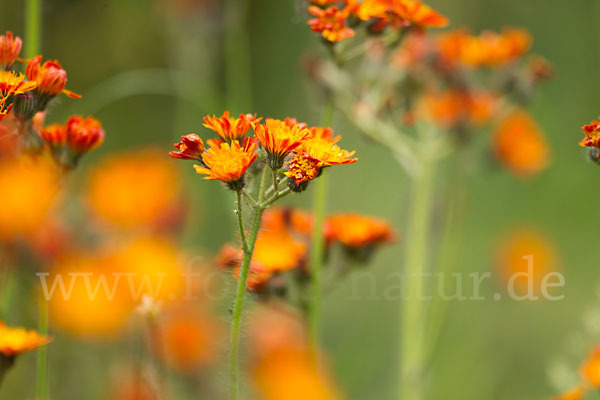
x: 282, y: 242
x: 456, y: 108
x: 489, y: 49
x: 14, y: 341
x: 331, y: 22
x: 229, y: 157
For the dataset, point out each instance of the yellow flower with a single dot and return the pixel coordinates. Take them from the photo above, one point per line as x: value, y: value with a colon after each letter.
x: 134, y: 189
x: 228, y: 163
x: 279, y: 139
x: 14, y: 341
x: 229, y: 128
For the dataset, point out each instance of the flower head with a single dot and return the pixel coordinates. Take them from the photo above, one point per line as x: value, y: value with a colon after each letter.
x: 14, y: 341
x: 421, y: 15
x: 520, y: 145
x: 55, y: 135
x: 330, y: 22
x: 279, y: 139
x: 227, y: 162
x: 229, y: 128
x: 84, y: 134
x: 354, y: 230
x: 592, y: 135
x: 400, y: 14
x: 12, y: 84
x: 50, y: 77
x: 277, y: 251
x: 10, y: 47
x: 190, y: 147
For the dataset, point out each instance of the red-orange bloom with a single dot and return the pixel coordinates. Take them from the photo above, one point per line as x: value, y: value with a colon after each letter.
x: 12, y: 84
x: 330, y: 22
x: 229, y: 128
x: 84, y: 134
x: 190, y: 147
x: 592, y: 135
x: 520, y: 144
x: 50, y: 77
x: 354, y: 230
x: 10, y: 47
x: 227, y: 162
x: 421, y: 15
x: 55, y: 135
x: 400, y: 13
x: 279, y: 139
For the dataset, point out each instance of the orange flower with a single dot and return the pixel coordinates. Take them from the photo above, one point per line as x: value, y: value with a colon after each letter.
x: 590, y: 370
x: 230, y: 128
x: 10, y: 47
x: 50, y: 77
x: 128, y: 190
x: 190, y: 147
x: 592, y: 135
x: 512, y: 258
x: 12, y: 84
x: 227, y: 162
x: 452, y: 108
x: 493, y: 49
x: 421, y: 15
x: 400, y: 14
x: 520, y: 145
x: 279, y: 139
x: 83, y: 135
x: 330, y: 22
x: 277, y: 251
x: 303, y: 168
x: 14, y: 341
x: 355, y: 231
x: 55, y: 135
x: 29, y: 193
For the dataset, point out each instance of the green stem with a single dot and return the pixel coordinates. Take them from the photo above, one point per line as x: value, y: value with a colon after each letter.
x: 42, y: 387
x: 318, y: 245
x: 33, y: 27
x: 413, y: 312
x: 238, y: 55
x: 238, y: 303
x: 241, y: 221
x: 276, y: 197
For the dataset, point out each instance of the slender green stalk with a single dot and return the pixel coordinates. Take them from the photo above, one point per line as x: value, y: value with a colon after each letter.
x: 33, y: 27
x: 42, y: 387
x: 241, y: 221
x: 318, y: 246
x: 237, y: 55
x: 413, y: 315
x: 238, y: 303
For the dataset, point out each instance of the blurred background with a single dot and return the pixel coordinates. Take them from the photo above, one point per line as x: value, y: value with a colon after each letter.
x: 151, y: 69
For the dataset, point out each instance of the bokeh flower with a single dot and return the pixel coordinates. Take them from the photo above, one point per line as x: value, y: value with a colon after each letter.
x: 400, y: 14
x: 134, y: 190
x: 190, y: 147
x: 454, y: 108
x: 277, y: 251
x: 575, y: 394
x: 228, y: 162
x: 10, y: 48
x: 520, y: 145
x: 355, y: 230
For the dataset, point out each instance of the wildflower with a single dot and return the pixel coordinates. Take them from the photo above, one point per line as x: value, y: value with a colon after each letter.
x: 228, y: 163
x: 230, y: 128
x: 29, y: 192
x: 189, y: 339
x: 50, y: 78
x: 10, y: 47
x: 575, y: 394
x: 592, y: 135
x: 12, y: 84
x: 83, y: 134
x: 128, y: 190
x: 98, y: 303
x: 279, y: 139
x: 493, y: 49
x: 190, y: 147
x: 512, y: 259
x: 14, y: 341
x: 355, y: 230
x: 330, y: 22
x: 520, y: 145
x: 277, y: 251
x: 324, y: 2
x: 454, y: 108
x: 303, y: 168
x: 421, y: 15
x: 590, y: 370
x: 400, y: 14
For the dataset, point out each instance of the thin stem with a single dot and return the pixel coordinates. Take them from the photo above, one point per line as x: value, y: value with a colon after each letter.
x: 42, y: 387
x: 33, y: 27
x: 275, y: 181
x: 413, y: 315
x: 276, y: 197
x: 238, y: 303
x: 241, y: 221
x: 250, y: 199
x: 318, y: 245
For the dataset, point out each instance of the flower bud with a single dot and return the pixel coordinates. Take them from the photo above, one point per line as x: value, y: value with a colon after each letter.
x: 10, y: 47
x: 51, y: 80
x: 83, y: 135
x: 25, y: 107
x: 190, y: 147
